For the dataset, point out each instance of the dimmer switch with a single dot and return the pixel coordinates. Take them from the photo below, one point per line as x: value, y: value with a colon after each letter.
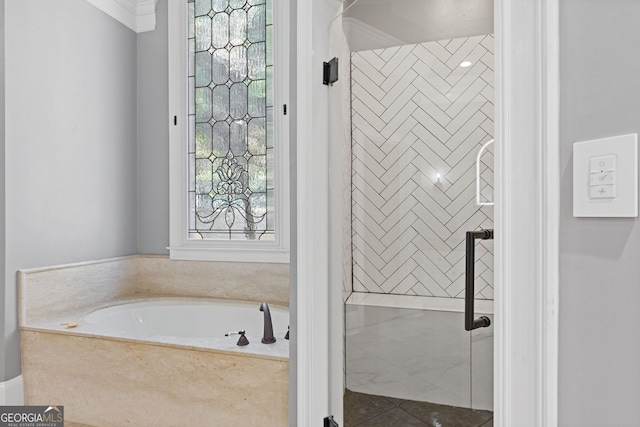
x: 602, y: 171
x: 605, y: 177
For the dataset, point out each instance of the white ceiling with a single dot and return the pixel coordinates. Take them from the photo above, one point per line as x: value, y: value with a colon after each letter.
x: 374, y: 24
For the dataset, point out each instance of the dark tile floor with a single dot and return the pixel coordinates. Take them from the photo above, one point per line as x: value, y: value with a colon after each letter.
x: 368, y: 410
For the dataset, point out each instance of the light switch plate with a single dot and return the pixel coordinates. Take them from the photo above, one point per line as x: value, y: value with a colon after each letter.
x: 605, y: 177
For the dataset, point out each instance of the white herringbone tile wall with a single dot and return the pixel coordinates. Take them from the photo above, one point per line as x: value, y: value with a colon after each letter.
x: 418, y: 121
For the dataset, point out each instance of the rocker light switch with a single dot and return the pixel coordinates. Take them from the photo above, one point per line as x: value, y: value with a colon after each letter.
x: 605, y: 177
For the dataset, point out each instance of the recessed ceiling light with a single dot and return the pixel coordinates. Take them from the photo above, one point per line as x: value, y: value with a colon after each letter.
x: 465, y: 64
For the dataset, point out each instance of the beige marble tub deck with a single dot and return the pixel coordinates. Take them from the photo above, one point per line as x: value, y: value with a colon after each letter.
x: 114, y: 381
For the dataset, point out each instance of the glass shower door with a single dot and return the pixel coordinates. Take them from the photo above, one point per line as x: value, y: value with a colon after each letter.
x: 405, y: 363
x: 420, y: 106
x: 408, y: 353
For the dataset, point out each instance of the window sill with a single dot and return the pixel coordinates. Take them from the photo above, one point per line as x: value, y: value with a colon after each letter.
x: 262, y: 255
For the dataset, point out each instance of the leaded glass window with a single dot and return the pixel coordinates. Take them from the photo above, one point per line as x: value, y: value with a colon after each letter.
x: 231, y: 152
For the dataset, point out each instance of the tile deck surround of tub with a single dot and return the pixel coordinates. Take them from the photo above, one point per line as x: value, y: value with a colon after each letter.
x: 58, y: 289
x: 95, y: 373
x: 53, y: 296
x: 57, y: 324
x: 104, y: 382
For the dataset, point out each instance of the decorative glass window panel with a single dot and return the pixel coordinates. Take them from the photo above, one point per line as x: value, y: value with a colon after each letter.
x: 231, y: 150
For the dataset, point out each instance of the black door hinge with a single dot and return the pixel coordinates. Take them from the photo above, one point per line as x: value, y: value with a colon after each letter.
x: 330, y: 422
x: 330, y: 72
x: 284, y: 109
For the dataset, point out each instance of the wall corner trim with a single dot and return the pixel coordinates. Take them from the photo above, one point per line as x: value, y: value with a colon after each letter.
x: 139, y: 15
x: 12, y: 392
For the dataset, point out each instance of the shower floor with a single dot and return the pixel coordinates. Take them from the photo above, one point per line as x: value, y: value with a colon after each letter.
x: 368, y: 410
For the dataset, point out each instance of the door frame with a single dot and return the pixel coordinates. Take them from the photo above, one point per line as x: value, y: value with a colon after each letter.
x: 526, y: 217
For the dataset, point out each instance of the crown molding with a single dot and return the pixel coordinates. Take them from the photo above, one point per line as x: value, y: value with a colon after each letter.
x: 139, y: 15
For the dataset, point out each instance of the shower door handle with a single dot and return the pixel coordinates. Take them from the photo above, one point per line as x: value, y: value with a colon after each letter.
x: 469, y: 296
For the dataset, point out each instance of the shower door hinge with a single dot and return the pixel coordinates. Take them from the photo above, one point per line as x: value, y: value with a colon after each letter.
x: 330, y: 422
x: 330, y: 72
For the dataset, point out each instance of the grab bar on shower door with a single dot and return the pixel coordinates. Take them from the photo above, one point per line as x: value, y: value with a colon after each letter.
x: 469, y: 296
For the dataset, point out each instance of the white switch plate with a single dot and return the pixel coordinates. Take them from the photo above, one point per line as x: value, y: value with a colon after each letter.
x: 617, y: 155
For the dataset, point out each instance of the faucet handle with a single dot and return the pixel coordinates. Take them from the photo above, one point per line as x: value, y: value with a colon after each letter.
x: 242, y: 340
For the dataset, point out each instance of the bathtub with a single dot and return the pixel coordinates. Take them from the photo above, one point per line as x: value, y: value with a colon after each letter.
x: 160, y: 354
x: 416, y: 348
x: 194, y: 322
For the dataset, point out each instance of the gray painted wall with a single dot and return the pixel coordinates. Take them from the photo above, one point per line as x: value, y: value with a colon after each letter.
x: 599, y: 379
x: 70, y: 143
x: 153, y: 136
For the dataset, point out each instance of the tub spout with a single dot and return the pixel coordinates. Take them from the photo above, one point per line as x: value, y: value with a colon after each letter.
x: 267, y: 337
